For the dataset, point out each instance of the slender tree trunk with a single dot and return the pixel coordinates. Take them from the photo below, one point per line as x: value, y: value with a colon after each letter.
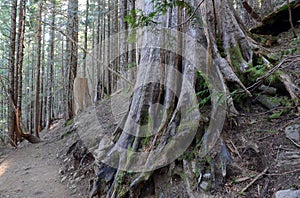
x: 123, y: 43
x: 27, y: 92
x: 43, y: 78
x: 19, y: 60
x: 291, y: 18
x: 32, y: 101
x: 37, y: 93
x: 116, y: 40
x: 104, y: 57
x: 131, y: 51
x: 108, y: 82
x: 72, y: 52
x: 64, y: 82
x: 11, y: 77
x: 50, y: 68
x: 86, y: 25
x: 20, y: 51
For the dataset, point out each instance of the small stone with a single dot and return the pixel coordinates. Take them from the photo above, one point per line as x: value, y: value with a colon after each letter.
x: 27, y: 168
x: 204, y: 185
x: 77, y: 179
x: 71, y: 168
x: 287, y: 194
x: 61, y: 172
x: 74, y: 190
x: 63, y: 179
x: 75, y: 174
x: 207, y: 176
x: 293, y: 132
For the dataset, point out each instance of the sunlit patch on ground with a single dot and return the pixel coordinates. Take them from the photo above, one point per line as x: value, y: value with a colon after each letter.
x: 3, y: 167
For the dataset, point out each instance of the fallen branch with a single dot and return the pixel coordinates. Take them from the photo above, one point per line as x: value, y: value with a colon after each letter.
x: 284, y: 173
x: 295, y: 143
x: 254, y: 180
x: 290, y: 87
x: 283, y: 77
x: 238, y: 180
x: 288, y: 123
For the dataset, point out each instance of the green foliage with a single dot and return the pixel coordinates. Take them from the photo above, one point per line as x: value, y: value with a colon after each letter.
x: 202, y: 91
x: 281, y: 101
x: 131, y: 65
x: 260, y: 70
x: 138, y: 18
x: 290, y: 51
x: 236, y: 57
x: 69, y: 122
x: 276, y: 115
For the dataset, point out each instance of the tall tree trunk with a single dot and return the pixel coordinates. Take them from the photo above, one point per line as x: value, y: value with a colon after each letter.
x: 104, y: 57
x: 38, y: 68
x: 123, y: 43
x: 20, y: 54
x: 50, y: 68
x: 20, y: 51
x: 72, y: 52
x: 86, y: 25
x: 11, y: 76
x: 108, y: 82
x: 64, y: 91
x: 27, y: 92
x: 43, y: 78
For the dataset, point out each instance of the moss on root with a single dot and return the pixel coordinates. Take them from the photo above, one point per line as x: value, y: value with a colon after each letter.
x: 258, y: 71
x: 236, y: 57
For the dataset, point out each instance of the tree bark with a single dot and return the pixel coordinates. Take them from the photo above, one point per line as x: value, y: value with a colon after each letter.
x: 38, y: 66
x: 86, y: 25
x: 165, y: 87
x: 50, y: 67
x: 11, y: 77
x: 72, y: 53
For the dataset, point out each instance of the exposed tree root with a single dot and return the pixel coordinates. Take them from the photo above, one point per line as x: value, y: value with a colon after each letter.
x: 293, y: 90
x: 29, y: 137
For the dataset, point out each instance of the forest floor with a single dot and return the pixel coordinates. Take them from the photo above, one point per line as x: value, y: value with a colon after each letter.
x: 32, y: 170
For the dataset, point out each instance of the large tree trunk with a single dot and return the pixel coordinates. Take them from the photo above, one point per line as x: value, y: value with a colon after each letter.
x: 163, y: 115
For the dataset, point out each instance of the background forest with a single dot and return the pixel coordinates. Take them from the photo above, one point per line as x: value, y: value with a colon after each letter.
x: 60, y: 57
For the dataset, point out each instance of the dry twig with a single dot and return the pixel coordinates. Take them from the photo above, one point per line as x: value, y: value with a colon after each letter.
x: 254, y: 180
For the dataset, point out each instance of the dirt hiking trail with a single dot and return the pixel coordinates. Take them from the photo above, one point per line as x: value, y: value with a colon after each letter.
x: 32, y: 171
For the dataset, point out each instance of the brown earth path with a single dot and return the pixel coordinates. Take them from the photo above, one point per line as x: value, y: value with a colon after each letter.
x: 32, y: 171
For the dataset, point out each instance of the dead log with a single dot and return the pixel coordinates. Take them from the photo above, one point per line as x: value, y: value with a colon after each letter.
x: 278, y: 21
